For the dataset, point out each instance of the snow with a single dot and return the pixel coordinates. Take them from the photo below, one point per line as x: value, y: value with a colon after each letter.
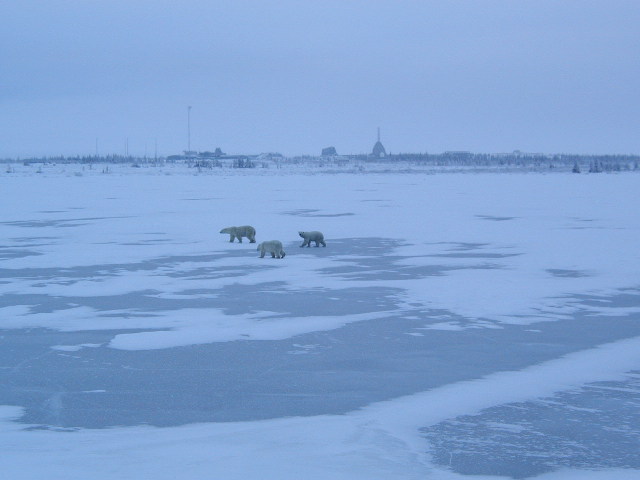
x: 529, y: 281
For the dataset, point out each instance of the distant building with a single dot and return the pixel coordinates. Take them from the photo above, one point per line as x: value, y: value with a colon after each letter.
x: 378, y: 148
x: 216, y: 154
x: 521, y: 154
x: 275, y: 156
x: 329, y: 152
x: 457, y: 153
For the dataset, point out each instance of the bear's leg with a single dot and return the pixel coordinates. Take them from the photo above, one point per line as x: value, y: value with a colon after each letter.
x: 261, y: 254
x: 273, y: 255
x: 317, y: 244
x: 323, y: 244
x: 303, y: 244
x: 232, y: 238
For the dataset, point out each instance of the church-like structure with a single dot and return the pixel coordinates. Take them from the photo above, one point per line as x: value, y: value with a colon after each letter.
x: 378, y: 148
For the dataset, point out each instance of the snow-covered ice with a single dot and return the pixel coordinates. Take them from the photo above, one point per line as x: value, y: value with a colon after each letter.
x: 456, y: 324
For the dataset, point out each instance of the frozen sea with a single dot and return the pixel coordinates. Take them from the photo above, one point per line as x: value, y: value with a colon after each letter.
x: 457, y: 325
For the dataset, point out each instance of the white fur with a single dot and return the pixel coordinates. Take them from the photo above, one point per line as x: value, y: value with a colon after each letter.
x: 238, y: 232
x: 274, y: 247
x: 314, y: 236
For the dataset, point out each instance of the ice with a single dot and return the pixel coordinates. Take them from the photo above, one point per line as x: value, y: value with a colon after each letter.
x: 449, y: 317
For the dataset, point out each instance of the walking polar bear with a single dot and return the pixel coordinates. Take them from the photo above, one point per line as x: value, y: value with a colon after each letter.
x: 274, y: 247
x: 238, y: 232
x: 309, y: 237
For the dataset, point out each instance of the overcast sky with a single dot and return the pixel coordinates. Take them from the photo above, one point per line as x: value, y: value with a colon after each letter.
x: 297, y: 76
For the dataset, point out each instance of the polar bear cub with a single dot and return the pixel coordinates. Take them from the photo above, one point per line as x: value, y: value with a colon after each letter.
x: 238, y: 232
x: 309, y: 237
x: 274, y: 247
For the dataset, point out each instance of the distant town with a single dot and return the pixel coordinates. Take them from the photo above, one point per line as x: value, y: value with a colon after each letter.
x: 378, y: 154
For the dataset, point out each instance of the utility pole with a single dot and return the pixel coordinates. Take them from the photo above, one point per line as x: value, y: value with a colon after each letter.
x: 188, y: 129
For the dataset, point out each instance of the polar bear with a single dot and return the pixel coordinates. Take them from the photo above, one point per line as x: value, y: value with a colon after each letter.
x: 274, y: 247
x: 239, y: 232
x: 309, y: 237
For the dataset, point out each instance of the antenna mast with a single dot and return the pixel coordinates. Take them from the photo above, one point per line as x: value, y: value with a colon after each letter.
x: 188, y: 129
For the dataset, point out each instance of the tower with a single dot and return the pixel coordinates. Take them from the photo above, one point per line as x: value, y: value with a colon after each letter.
x: 378, y: 148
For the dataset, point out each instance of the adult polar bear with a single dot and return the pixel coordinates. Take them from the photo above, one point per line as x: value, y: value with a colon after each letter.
x: 274, y: 247
x: 238, y: 232
x: 309, y: 237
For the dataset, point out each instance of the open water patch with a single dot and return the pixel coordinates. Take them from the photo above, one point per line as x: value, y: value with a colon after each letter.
x: 314, y: 213
x: 594, y: 427
x: 61, y: 223
x: 495, y: 218
x: 474, y: 255
x: 566, y: 273
x: 372, y: 258
x: 12, y: 253
x: 175, y: 264
x: 34, y: 241
x: 237, y: 299
x: 351, y: 367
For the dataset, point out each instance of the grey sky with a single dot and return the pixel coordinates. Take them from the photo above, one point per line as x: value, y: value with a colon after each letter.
x: 296, y: 76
